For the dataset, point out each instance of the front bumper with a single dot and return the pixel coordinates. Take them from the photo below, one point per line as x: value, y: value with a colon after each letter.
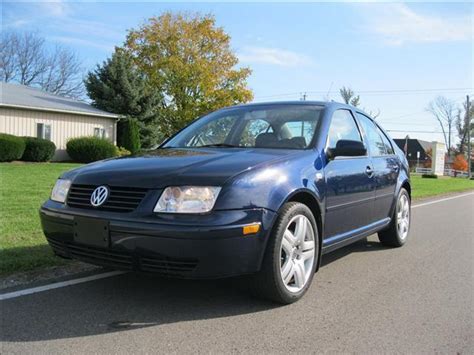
x: 206, y: 246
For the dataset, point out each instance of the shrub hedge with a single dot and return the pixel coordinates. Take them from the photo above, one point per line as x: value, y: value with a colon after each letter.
x: 37, y: 149
x: 429, y: 176
x: 11, y: 147
x: 130, y: 135
x: 89, y: 149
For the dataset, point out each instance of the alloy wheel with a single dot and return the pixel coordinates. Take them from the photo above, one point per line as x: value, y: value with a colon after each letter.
x: 297, y: 253
x: 403, y: 216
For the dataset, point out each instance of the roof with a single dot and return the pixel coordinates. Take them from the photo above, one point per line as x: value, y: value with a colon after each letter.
x: 21, y: 96
x: 333, y: 104
x: 424, y: 144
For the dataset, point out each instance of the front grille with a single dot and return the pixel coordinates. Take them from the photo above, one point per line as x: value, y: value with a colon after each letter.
x: 91, y: 254
x: 121, y: 199
x: 124, y: 260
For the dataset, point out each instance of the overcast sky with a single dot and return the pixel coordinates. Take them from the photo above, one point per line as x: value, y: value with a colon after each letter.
x: 398, y: 56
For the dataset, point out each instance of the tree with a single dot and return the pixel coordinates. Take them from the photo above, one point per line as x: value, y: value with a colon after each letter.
x: 349, y: 97
x: 463, y: 123
x: 189, y: 60
x: 130, y: 135
x: 460, y: 163
x: 118, y: 86
x: 444, y: 110
x: 26, y: 59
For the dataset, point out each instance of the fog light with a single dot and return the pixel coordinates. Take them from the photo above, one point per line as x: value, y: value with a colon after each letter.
x: 251, y: 228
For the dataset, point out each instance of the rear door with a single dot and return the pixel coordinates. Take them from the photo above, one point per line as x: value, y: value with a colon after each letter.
x: 386, y: 166
x: 349, y: 180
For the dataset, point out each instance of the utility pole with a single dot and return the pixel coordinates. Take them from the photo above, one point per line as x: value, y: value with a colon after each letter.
x: 303, y: 96
x: 468, y: 113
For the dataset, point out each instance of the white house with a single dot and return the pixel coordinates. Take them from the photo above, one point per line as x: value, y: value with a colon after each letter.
x: 26, y: 111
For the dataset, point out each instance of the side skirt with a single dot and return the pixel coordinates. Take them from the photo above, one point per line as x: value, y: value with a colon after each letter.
x: 341, y: 240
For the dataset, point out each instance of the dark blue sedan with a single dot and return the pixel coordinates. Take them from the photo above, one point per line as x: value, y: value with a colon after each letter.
x: 262, y: 190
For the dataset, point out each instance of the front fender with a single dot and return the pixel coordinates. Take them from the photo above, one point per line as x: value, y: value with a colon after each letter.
x: 271, y: 186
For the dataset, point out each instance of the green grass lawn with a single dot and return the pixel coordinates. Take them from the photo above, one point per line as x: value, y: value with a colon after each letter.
x: 24, y: 186
x: 443, y: 185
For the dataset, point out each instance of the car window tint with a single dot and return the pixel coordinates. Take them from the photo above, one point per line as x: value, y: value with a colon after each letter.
x: 215, y: 132
x: 386, y: 142
x: 375, y: 142
x: 342, y: 126
x: 252, y: 129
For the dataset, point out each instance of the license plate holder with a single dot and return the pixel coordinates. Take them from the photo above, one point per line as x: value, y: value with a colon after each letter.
x: 91, y: 231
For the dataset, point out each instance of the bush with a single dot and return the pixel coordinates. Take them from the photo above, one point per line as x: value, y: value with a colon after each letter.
x: 122, y: 152
x: 130, y: 135
x: 429, y: 176
x: 89, y: 149
x: 37, y: 149
x: 11, y: 147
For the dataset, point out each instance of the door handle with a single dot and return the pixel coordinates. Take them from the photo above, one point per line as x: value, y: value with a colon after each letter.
x: 369, y: 171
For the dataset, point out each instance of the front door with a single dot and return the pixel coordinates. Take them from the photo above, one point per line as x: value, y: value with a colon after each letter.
x: 350, y: 182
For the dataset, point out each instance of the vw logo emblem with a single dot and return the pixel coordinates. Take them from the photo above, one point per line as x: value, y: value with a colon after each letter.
x: 99, y: 196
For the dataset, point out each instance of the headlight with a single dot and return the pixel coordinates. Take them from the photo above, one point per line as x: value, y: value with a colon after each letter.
x: 187, y: 199
x: 60, y: 190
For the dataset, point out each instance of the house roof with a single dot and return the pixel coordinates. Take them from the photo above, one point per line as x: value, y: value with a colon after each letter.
x: 424, y: 144
x: 21, y: 96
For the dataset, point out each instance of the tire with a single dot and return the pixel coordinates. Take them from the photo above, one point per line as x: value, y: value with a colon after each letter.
x: 287, y: 255
x: 396, y: 234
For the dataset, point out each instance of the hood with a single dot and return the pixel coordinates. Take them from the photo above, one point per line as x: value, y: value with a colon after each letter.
x: 165, y: 167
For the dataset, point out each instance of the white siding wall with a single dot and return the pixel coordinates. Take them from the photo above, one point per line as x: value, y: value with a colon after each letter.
x: 22, y: 122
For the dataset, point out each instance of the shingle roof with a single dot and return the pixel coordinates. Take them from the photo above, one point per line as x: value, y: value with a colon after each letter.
x: 20, y: 96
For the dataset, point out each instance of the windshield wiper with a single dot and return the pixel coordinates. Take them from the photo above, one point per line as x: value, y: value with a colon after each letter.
x: 223, y: 145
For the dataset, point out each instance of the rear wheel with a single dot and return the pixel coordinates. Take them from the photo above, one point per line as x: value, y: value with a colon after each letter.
x: 397, y: 233
x: 291, y: 256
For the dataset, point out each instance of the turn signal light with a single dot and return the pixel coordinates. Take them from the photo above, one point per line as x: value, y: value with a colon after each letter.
x: 251, y: 228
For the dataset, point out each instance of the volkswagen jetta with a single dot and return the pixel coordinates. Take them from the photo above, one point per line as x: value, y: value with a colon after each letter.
x: 261, y: 189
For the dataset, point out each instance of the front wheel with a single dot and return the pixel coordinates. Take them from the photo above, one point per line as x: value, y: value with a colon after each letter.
x: 397, y: 233
x: 291, y: 256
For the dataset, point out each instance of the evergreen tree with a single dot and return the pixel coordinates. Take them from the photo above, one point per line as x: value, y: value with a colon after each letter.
x: 117, y: 86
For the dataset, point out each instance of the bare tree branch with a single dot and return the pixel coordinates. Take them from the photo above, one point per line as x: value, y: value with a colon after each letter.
x: 8, y: 45
x: 25, y: 59
x: 444, y: 110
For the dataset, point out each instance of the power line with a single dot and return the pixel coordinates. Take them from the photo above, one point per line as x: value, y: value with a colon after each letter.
x: 407, y: 130
x: 393, y: 91
x: 407, y: 123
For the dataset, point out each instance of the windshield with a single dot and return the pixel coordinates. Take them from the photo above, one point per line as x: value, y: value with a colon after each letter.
x: 277, y: 126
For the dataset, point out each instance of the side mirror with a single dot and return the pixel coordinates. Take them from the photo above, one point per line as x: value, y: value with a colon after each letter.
x: 347, y: 148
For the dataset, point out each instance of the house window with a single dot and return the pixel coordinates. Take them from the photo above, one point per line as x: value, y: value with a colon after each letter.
x: 99, y: 132
x: 43, y: 131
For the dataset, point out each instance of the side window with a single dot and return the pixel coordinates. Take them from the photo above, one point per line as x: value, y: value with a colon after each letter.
x: 375, y: 142
x: 252, y: 129
x: 43, y: 131
x: 388, y: 146
x: 99, y: 132
x: 342, y: 126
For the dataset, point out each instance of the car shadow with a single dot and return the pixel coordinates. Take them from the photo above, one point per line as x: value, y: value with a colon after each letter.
x: 361, y: 246
x: 131, y: 301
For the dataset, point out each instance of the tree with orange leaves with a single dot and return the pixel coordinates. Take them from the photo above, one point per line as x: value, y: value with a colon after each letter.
x: 460, y: 163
